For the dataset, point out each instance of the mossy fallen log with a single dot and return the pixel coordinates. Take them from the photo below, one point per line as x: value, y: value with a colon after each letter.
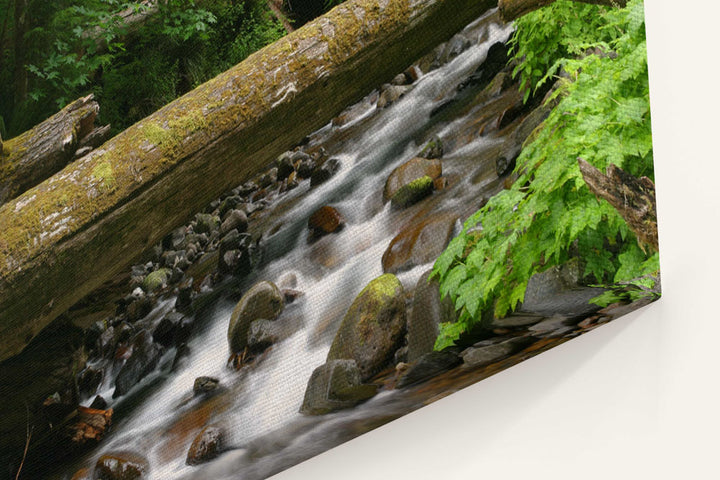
x: 64, y: 237
x: 37, y: 154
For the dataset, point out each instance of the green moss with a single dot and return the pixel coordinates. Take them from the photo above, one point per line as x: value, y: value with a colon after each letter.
x: 156, y: 279
x: 413, y: 192
x: 103, y: 171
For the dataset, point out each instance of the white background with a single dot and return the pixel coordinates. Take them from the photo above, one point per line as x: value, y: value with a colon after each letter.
x: 636, y: 399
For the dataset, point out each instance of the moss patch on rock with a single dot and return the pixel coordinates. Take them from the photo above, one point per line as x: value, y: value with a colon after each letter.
x: 413, y: 192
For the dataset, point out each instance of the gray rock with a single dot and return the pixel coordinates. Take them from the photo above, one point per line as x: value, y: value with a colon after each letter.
x: 373, y: 328
x: 206, y: 223
x: 428, y: 366
x: 428, y: 311
x: 262, y: 334
x: 143, y: 360
x: 263, y: 301
x: 285, y: 165
x: 389, y: 94
x: 204, y: 385
x: 325, y: 172
x: 554, y: 326
x: 481, y: 356
x: 333, y: 386
x: 236, y: 220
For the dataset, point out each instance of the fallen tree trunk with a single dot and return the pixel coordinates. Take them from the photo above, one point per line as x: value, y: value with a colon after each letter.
x: 35, y: 155
x: 512, y: 9
x: 63, y: 238
x: 633, y: 198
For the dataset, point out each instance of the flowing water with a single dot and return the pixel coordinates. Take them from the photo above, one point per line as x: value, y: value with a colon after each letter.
x: 258, y: 405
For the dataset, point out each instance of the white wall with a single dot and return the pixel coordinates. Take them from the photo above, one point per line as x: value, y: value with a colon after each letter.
x: 638, y: 398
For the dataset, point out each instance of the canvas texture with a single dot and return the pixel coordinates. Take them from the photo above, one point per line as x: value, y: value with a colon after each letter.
x: 385, y: 239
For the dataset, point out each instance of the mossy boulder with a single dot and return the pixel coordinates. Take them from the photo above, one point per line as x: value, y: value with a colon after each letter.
x: 413, y: 192
x: 263, y: 301
x: 333, y: 386
x: 373, y: 328
x: 410, y: 171
x: 156, y: 280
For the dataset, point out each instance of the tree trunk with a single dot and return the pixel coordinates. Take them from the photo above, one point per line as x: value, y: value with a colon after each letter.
x: 512, y: 9
x: 61, y: 239
x: 633, y: 198
x: 35, y: 155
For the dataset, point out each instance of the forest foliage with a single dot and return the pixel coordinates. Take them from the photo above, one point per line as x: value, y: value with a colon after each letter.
x: 598, y: 57
x: 54, y: 52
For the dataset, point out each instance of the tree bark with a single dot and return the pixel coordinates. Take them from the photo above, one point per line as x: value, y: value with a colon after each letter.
x: 63, y: 238
x: 513, y: 9
x: 633, y: 198
x: 35, y: 155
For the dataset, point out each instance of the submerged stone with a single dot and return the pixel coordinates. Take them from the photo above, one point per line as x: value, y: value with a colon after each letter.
x: 263, y: 301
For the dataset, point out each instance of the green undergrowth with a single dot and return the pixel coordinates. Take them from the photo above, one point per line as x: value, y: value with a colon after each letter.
x: 549, y: 215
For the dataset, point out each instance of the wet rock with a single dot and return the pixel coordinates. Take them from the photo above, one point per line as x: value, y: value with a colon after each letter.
x: 263, y: 301
x: 206, y: 446
x: 305, y: 168
x: 325, y: 172
x: 285, y: 165
x: 400, y: 79
x: 496, y: 60
x: 99, y: 403
x: 433, y: 149
x: 389, y: 94
x: 247, y: 188
x: 157, y: 280
x: 452, y: 48
x: 554, y: 326
x: 89, y: 380
x: 325, y: 220
x: 206, y: 223
x: 228, y: 204
x: 427, y: 313
x: 419, y: 243
x: 174, y: 240
x: 143, y: 360
x: 269, y: 178
x: 121, y: 466
x: 429, y: 365
x: 236, y: 220
x: 184, y: 297
x: 203, y: 385
x: 410, y: 171
x: 166, y: 331
x: 291, y: 295
x: 262, y: 334
x: 234, y: 253
x: 486, y: 355
x: 373, y: 328
x: 333, y: 386
x: 413, y: 192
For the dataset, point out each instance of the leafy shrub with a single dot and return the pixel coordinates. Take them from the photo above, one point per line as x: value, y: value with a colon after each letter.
x: 549, y: 214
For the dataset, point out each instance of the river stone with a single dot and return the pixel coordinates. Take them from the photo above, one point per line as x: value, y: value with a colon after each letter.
x: 373, y: 328
x: 305, y: 168
x: 481, y: 356
x: 166, y: 331
x: 410, y: 171
x: 429, y: 365
x: 121, y: 466
x: 234, y: 255
x: 143, y: 360
x: 333, y: 386
x: 389, y: 94
x: 325, y: 172
x: 285, y: 166
x: 433, y: 149
x: 263, y: 300
x: 204, y: 385
x: 427, y: 313
x: 325, y: 220
x: 206, y: 223
x: 157, y: 279
x: 236, y: 220
x: 206, y: 446
x: 419, y: 243
x: 262, y: 334
x: 413, y: 192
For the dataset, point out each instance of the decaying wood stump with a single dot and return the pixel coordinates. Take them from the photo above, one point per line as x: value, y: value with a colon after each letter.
x: 63, y: 238
x: 512, y: 9
x: 35, y: 155
x: 633, y: 198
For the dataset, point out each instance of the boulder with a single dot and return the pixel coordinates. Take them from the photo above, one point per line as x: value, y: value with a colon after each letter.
x: 121, y: 466
x: 325, y: 220
x: 427, y: 313
x: 373, y: 328
x: 157, y: 280
x: 263, y: 301
x: 206, y: 446
x: 486, y: 355
x: 413, y: 192
x: 325, y: 172
x: 410, y: 171
x: 427, y: 366
x: 333, y: 386
x: 236, y: 220
x: 419, y: 243
x: 143, y: 360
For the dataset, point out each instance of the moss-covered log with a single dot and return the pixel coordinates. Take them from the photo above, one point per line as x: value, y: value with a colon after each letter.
x: 35, y: 155
x: 512, y: 9
x: 63, y: 238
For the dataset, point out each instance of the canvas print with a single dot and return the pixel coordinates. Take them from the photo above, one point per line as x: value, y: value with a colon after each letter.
x: 238, y: 233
